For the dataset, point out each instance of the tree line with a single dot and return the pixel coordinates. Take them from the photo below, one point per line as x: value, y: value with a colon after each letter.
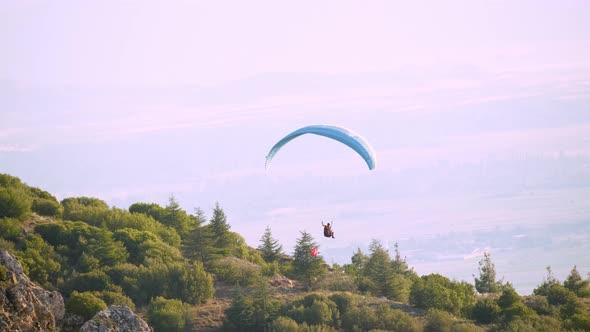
x: 166, y: 260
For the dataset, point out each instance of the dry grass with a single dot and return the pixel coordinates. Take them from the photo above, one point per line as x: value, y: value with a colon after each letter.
x: 33, y: 220
x: 208, y: 316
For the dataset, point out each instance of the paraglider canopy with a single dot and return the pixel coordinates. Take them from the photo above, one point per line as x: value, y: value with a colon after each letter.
x: 340, y: 134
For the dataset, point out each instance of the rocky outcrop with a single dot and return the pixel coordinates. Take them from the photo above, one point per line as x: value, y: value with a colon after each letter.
x: 25, y: 306
x: 282, y: 283
x: 116, y: 319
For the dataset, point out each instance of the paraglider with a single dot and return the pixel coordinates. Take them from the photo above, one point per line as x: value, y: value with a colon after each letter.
x: 328, y: 232
x: 340, y: 134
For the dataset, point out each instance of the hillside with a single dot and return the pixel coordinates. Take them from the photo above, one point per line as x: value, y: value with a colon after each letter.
x: 189, y: 272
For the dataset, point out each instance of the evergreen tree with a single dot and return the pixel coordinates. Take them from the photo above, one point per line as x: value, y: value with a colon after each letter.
x: 270, y: 248
x: 548, y: 282
x: 306, y: 266
x: 398, y: 264
x: 379, y: 269
x: 220, y: 231
x: 197, y: 245
x: 575, y: 283
x: 359, y: 259
x: 486, y: 283
x: 176, y: 217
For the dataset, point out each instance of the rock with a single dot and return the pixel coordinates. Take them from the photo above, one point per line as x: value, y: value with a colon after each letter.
x: 71, y: 323
x: 116, y: 319
x: 25, y: 306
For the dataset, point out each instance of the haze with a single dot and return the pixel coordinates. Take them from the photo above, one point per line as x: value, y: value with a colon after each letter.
x: 479, y: 113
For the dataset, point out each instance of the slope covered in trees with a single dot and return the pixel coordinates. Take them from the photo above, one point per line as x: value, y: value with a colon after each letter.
x: 169, y: 265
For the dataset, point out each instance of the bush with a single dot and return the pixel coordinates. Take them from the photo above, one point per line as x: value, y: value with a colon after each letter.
x: 84, y: 282
x: 508, y: 298
x: 438, y: 321
x: 344, y: 302
x: 540, y: 305
x: 248, y: 313
x: 360, y: 319
x: 10, y: 229
x: 518, y: 310
x: 84, y: 304
x: 115, y: 298
x: 578, y: 322
x: 485, y: 311
x: 314, y: 309
x: 39, y: 261
x: 467, y: 327
x: 438, y: 292
x: 7, y: 245
x: 47, y: 207
x: 236, y: 271
x: 14, y: 203
x: 381, y: 318
x: 167, y: 315
x: 557, y: 294
x: 284, y: 324
x: 533, y: 324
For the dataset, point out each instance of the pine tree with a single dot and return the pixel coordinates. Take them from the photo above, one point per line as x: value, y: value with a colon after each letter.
x: 175, y: 217
x: 575, y: 283
x: 378, y: 268
x: 220, y: 232
x: 197, y: 245
x: 486, y: 283
x: 359, y: 259
x: 398, y: 264
x: 306, y: 266
x: 270, y: 248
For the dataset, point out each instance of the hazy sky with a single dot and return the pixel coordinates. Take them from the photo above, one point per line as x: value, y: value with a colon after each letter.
x: 479, y: 112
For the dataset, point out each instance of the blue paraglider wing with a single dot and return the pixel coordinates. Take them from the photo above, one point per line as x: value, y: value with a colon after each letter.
x: 340, y: 134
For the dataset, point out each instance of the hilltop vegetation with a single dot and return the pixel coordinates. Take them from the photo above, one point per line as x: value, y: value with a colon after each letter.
x: 169, y: 265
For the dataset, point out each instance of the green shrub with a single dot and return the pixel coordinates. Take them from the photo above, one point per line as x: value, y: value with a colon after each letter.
x: 314, y: 309
x: 518, y: 310
x: 115, y: 298
x: 14, y: 203
x: 467, y: 327
x: 315, y: 328
x: 558, y: 294
x: 10, y: 229
x: 284, y: 324
x: 540, y: 305
x: 532, y: 324
x: 344, y: 301
x: 438, y: 292
x: 47, y: 207
x: 7, y: 245
x: 236, y: 271
x: 167, y: 315
x: 438, y: 321
x: 39, y: 261
x: 485, y: 311
x: 509, y: 298
x: 578, y: 322
x: 90, y: 281
x: 84, y: 304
